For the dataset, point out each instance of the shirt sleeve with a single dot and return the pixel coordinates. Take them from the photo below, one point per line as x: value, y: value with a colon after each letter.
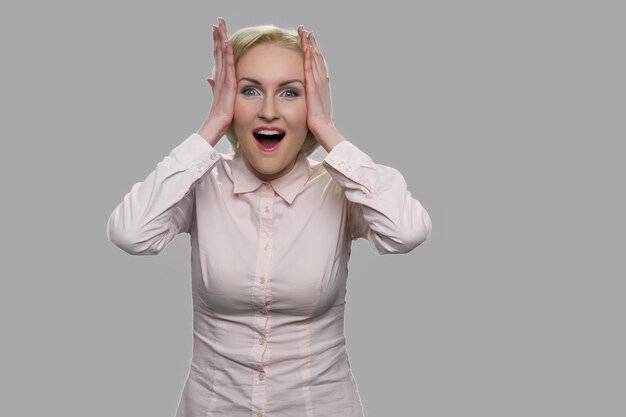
x: 381, y: 209
x: 154, y: 211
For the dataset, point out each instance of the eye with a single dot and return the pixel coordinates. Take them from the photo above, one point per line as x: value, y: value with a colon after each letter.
x: 294, y: 93
x: 247, y: 89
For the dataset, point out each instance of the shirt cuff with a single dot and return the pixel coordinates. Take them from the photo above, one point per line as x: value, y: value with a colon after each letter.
x: 196, y: 153
x: 346, y: 158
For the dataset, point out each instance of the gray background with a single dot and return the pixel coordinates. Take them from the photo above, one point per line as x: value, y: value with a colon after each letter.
x: 506, y: 119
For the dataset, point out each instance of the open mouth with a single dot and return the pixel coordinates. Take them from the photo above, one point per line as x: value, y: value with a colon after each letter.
x: 268, y: 139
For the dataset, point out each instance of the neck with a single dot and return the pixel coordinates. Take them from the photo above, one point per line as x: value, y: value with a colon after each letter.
x: 271, y: 177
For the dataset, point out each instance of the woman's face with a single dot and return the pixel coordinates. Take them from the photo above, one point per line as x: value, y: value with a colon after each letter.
x: 270, y: 95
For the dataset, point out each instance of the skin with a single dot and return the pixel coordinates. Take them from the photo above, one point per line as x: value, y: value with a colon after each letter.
x: 269, y: 104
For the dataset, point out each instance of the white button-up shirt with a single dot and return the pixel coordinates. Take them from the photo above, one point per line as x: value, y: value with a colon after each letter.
x: 269, y: 268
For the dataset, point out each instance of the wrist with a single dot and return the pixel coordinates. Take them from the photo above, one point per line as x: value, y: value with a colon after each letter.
x: 328, y: 136
x: 212, y: 131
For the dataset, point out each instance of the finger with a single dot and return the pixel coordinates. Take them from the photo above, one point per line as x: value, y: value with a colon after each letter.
x: 301, y: 35
x: 229, y: 62
x: 225, y: 28
x: 220, y: 21
x: 319, y: 92
x: 215, y: 52
x: 322, y: 66
x: 314, y: 61
x: 225, y: 48
x: 214, y: 28
x: 218, y: 55
x: 309, y: 79
x: 307, y: 69
x: 318, y: 60
x: 303, y: 38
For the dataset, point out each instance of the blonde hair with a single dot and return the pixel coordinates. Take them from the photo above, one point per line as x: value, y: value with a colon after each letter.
x: 246, y: 38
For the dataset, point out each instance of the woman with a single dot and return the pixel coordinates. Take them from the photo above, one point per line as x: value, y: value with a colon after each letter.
x: 270, y: 231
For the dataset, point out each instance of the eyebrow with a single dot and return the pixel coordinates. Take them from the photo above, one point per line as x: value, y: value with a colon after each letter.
x: 280, y: 85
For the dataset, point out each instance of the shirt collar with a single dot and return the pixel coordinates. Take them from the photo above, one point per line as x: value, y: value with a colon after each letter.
x: 287, y: 186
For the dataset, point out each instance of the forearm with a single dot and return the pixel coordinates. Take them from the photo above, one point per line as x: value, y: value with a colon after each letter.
x: 155, y: 210
x: 382, y: 208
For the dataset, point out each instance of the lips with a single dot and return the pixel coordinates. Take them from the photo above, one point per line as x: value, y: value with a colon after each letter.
x: 263, y: 132
x: 278, y: 129
x: 268, y: 137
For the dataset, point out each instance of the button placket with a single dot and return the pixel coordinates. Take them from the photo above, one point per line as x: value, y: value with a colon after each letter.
x: 261, y: 297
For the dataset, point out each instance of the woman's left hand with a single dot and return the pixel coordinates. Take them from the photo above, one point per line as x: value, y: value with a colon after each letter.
x: 317, y: 84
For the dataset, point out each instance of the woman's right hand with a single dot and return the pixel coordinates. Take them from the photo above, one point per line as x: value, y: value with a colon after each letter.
x: 223, y: 85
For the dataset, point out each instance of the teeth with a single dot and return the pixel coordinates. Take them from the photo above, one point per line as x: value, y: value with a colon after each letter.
x: 268, y: 132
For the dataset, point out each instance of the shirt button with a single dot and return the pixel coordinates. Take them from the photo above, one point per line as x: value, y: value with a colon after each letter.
x: 259, y: 414
x: 348, y: 169
x: 262, y: 280
x: 332, y: 158
x: 267, y: 246
x: 340, y: 163
x: 261, y: 341
x: 261, y: 376
x: 267, y: 208
x: 213, y: 156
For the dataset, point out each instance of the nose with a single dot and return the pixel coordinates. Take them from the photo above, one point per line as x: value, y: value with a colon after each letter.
x: 268, y: 109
